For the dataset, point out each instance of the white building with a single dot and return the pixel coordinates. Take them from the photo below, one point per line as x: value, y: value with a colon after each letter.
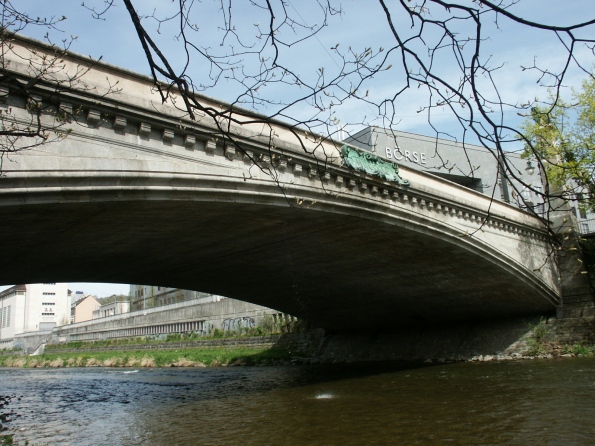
x: 148, y: 296
x: 471, y: 166
x: 112, y: 309
x: 32, y: 308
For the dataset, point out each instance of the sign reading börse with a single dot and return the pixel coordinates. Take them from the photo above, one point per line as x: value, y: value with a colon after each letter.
x: 400, y: 154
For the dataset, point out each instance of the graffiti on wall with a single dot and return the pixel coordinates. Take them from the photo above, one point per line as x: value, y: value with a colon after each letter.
x: 237, y: 323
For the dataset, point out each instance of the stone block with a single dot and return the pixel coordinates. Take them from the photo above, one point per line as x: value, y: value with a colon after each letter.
x: 144, y: 130
x: 168, y: 136
x: 189, y: 141
x: 93, y: 117
x: 120, y: 123
x: 4, y: 94
x: 210, y: 146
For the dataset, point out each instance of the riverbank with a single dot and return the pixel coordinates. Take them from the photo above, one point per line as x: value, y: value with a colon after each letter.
x: 185, y: 357
x: 538, y: 338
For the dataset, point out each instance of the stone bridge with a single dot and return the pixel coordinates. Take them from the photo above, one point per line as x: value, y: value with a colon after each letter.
x: 137, y: 193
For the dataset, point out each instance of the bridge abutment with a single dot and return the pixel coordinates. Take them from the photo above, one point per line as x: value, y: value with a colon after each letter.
x: 438, y: 343
x: 576, y: 292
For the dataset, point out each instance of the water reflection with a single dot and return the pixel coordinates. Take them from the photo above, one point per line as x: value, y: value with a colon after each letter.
x: 547, y: 402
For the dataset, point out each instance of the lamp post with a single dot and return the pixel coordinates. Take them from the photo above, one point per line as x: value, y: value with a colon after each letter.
x: 530, y: 169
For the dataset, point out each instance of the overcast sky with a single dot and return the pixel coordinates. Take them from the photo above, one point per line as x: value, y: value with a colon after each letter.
x: 360, y: 26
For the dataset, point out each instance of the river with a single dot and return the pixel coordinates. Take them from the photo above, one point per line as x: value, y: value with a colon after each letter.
x: 546, y: 402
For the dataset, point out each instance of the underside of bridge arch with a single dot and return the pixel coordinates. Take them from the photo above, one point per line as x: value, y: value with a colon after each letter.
x: 340, y: 272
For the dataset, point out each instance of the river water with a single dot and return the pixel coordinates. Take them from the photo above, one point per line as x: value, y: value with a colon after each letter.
x: 546, y: 402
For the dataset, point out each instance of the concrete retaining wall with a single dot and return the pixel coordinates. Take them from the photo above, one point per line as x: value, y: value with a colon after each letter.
x: 29, y: 342
x: 226, y: 314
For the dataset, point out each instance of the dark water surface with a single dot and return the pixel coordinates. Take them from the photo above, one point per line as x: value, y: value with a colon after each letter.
x: 545, y: 402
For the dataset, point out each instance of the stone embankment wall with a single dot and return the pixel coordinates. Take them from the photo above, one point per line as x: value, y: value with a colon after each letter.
x: 302, y: 343
x: 448, y: 343
x: 572, y: 331
x: 498, y: 339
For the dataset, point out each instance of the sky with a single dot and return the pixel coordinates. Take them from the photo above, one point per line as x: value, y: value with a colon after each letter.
x: 362, y: 25
x: 508, y: 48
x: 97, y: 289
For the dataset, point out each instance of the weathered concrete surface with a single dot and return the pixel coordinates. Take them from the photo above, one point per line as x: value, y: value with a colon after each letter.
x: 138, y: 194
x: 440, y: 342
x: 31, y: 341
x: 576, y: 293
x: 578, y: 330
x: 212, y: 315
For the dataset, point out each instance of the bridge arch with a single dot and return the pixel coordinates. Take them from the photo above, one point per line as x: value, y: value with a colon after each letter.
x: 132, y: 197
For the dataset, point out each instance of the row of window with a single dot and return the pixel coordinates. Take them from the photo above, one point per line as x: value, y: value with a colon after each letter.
x: 141, y: 292
x: 5, y: 316
x: 48, y: 314
x: 48, y: 304
x: 49, y: 294
x: 184, y: 327
x: 14, y: 293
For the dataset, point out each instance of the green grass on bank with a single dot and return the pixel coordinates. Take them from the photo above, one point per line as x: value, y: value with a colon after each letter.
x: 160, y: 339
x: 159, y: 358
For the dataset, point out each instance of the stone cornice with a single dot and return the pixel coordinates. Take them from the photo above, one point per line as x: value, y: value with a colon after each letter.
x: 160, y: 134
x: 122, y: 113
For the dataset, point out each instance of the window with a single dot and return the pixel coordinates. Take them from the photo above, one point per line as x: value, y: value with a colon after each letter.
x: 48, y: 314
x: 48, y: 304
x: 49, y: 294
x: 5, y: 316
x: 581, y: 206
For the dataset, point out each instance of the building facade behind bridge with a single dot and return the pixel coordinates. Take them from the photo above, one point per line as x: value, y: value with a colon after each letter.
x: 34, y: 314
x: 469, y: 165
x: 32, y: 308
x: 143, y: 297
